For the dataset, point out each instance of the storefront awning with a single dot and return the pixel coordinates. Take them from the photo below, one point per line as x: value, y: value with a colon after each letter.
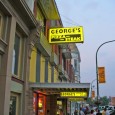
x: 57, y: 88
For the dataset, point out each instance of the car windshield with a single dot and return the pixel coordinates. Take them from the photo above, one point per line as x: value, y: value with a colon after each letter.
x: 106, y: 106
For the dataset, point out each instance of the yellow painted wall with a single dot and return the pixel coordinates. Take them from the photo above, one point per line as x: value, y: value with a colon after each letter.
x: 32, y: 77
x: 49, y: 73
x: 42, y: 69
x: 55, y: 76
x: 39, y: 16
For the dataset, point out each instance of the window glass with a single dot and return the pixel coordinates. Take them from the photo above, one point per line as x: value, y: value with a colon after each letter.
x: 14, y: 104
x: 1, y: 25
x: 42, y: 20
x: 4, y: 24
x: 46, y: 70
x: 41, y: 104
x: 59, y: 106
x: 53, y: 23
x: 18, y: 56
x: 12, y: 110
x: 52, y: 73
x: 75, y: 64
x: 35, y: 105
x: 38, y: 67
x: 0, y: 61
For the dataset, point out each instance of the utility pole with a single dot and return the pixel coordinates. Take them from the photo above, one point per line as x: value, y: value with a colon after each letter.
x: 91, y: 85
x: 97, y: 70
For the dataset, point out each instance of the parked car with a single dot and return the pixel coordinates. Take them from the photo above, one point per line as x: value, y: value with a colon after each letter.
x: 112, y: 112
x: 111, y: 109
x: 114, y: 107
x: 106, y: 106
x: 101, y: 108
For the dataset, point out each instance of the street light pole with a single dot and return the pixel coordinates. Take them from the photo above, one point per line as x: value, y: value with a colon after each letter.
x: 97, y: 69
x: 91, y: 85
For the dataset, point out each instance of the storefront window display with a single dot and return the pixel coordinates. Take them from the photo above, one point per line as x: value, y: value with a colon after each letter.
x: 34, y: 102
x: 59, y: 106
x: 12, y: 110
x: 39, y: 102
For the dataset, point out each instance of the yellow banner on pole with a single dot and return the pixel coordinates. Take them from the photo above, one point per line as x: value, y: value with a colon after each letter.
x: 93, y: 94
x: 101, y: 73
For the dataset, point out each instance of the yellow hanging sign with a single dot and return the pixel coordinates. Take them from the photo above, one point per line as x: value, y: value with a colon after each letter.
x: 76, y: 99
x: 66, y: 35
x: 73, y: 94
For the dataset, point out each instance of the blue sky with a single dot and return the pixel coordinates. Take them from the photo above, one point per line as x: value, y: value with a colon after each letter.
x: 98, y: 20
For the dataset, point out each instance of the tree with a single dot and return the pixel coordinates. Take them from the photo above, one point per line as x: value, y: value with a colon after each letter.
x: 104, y: 100
x: 91, y: 101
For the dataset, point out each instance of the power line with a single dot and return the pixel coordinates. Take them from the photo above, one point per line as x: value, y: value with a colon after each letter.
x: 71, y: 21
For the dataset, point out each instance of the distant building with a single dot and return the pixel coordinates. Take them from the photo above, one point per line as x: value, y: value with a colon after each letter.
x: 75, y: 62
x: 112, y: 101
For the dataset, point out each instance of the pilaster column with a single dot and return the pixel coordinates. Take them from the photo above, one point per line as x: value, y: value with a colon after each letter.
x: 6, y: 69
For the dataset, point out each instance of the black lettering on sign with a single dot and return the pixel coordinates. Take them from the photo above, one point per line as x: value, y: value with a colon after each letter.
x: 74, y: 37
x: 78, y: 29
x: 57, y: 38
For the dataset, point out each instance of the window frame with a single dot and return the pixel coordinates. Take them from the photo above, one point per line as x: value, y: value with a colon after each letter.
x: 1, y: 25
x: 18, y: 102
x: 0, y: 61
x: 21, y: 56
x: 38, y: 64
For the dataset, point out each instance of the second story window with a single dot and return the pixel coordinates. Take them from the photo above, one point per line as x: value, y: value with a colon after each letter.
x: 4, y: 26
x: 40, y: 17
x: 0, y: 61
x: 75, y: 65
x: 18, y: 56
x: 53, y: 23
x: 1, y: 25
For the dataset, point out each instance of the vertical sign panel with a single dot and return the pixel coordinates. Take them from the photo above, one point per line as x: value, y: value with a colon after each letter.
x: 93, y: 94
x: 101, y: 73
